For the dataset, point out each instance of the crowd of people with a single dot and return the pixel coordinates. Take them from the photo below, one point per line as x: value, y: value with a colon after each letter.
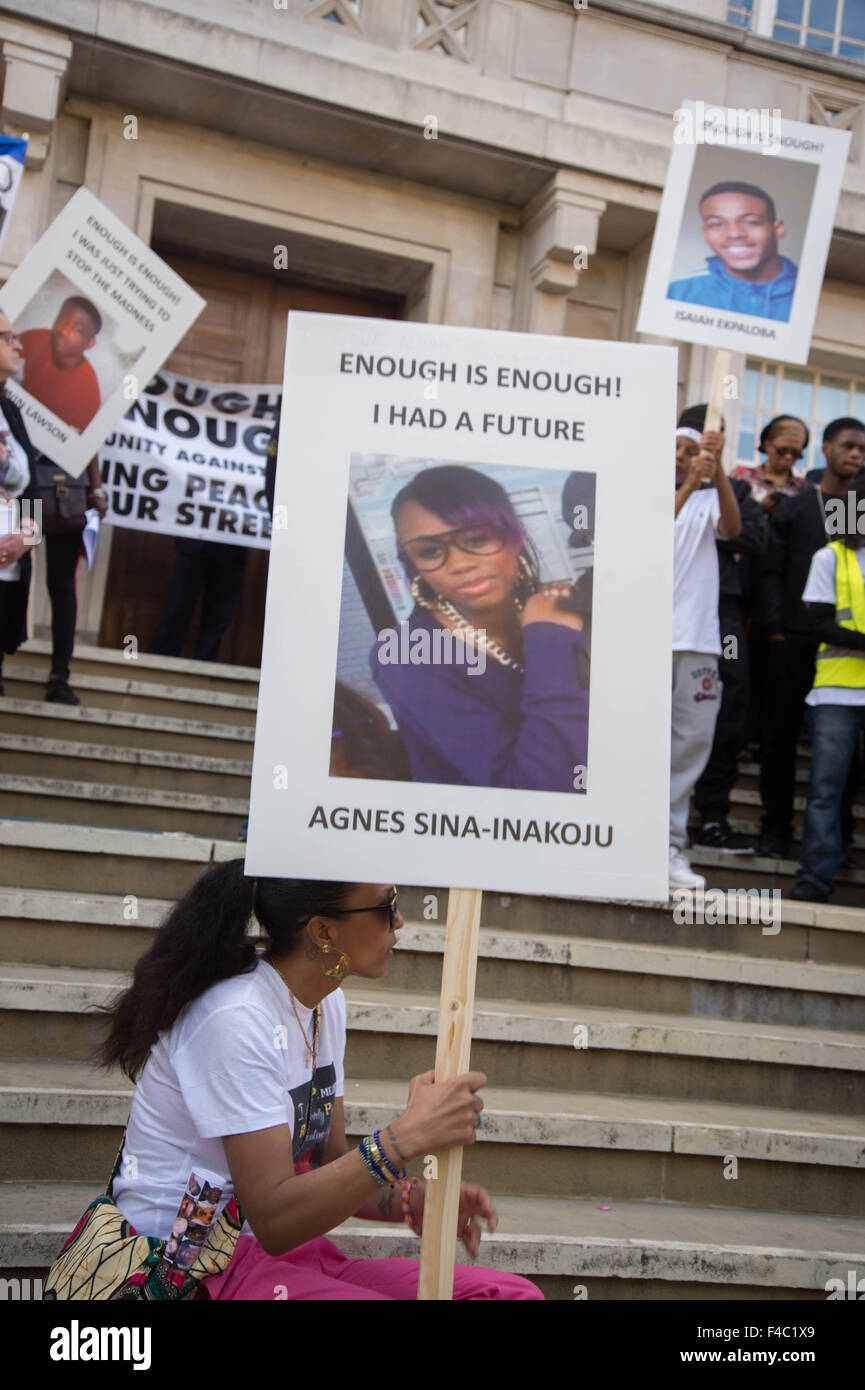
x: 768, y: 642
x: 768, y: 626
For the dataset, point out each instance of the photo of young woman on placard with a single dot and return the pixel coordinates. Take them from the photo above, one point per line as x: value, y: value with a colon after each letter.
x: 487, y: 678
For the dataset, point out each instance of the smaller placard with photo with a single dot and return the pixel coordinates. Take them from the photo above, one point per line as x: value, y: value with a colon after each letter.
x: 743, y: 232
x: 97, y: 312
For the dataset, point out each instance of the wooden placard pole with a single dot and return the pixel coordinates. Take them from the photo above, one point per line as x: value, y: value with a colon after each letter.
x: 453, y: 1048
x: 716, y: 395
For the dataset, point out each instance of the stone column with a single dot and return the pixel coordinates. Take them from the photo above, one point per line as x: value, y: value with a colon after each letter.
x: 35, y: 61
x: 383, y: 22
x: 559, y: 230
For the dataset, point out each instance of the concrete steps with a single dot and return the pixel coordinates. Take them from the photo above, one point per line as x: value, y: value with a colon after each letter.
x: 30, y: 755
x: 534, y: 1143
x: 698, y: 1041
x: 133, y: 808
x: 102, y: 661
x: 53, y: 1011
x: 572, y: 1247
x: 56, y: 928
x: 127, y: 727
x: 117, y: 693
x: 722, y: 871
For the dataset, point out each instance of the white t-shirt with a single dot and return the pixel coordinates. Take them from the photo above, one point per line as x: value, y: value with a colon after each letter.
x: 820, y: 588
x: 234, y: 1062
x: 15, y: 480
x: 696, y: 582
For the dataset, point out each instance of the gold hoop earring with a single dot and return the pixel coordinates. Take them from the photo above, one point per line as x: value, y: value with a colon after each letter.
x: 341, y: 969
x: 418, y: 595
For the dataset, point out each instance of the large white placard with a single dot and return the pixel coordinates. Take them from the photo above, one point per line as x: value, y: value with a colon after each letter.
x: 97, y: 312
x: 742, y: 267
x: 553, y: 779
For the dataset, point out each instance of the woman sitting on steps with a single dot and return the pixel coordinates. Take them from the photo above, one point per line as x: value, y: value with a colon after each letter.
x: 238, y: 1058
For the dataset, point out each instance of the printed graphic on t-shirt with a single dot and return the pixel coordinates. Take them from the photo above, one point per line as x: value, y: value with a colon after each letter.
x: 195, y: 1216
x: 312, y: 1115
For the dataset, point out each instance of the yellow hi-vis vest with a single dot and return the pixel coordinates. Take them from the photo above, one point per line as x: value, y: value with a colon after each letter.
x: 842, y: 665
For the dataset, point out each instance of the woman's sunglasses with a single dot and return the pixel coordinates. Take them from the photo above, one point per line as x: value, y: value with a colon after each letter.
x: 389, y: 907
x: 428, y: 553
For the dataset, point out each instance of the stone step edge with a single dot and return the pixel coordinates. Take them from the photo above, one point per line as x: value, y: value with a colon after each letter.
x: 593, y: 1257
x: 745, y: 796
x: 26, y: 1244
x: 574, y: 952
x: 669, y: 962
x: 751, y: 829
x: 136, y: 844
x: 584, y: 1127
x: 392, y: 1013
x: 127, y: 719
x: 757, y: 864
x: 115, y: 753
x: 112, y: 656
x: 792, y: 913
x: 141, y: 690
x: 21, y: 784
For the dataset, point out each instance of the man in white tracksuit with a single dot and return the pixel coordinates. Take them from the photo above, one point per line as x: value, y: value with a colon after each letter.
x: 706, y: 508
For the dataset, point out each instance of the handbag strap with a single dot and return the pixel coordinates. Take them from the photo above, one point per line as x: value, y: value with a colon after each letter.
x: 109, y: 1191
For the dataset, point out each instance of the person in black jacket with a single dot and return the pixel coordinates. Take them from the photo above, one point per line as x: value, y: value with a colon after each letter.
x: 17, y: 457
x: 797, y: 529
x: 712, y: 792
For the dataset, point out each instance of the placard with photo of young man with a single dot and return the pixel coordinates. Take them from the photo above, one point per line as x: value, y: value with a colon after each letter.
x: 743, y: 232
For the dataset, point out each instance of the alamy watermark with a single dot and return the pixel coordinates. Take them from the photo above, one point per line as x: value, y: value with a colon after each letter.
x: 845, y: 516
x: 439, y: 647
x: 23, y: 1290
x: 728, y: 125
x: 733, y: 907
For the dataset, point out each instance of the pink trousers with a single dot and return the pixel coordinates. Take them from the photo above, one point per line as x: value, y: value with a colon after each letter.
x: 318, y: 1270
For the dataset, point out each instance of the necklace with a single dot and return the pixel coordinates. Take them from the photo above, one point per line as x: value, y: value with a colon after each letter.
x: 486, y: 644
x: 311, y: 1047
x: 311, y: 1050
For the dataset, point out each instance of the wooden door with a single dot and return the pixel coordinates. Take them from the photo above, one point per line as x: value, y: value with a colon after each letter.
x: 239, y: 336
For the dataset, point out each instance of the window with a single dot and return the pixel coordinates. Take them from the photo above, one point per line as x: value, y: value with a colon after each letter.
x: 740, y: 12
x: 827, y: 26
x: 345, y: 12
x: 816, y: 397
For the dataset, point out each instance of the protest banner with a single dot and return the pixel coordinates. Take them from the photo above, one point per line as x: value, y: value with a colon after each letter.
x: 471, y: 564
x: 743, y: 231
x: 97, y: 312
x: 188, y: 459
x: 13, y: 152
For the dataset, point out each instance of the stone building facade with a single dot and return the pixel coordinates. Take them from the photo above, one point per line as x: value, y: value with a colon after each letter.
x: 435, y: 160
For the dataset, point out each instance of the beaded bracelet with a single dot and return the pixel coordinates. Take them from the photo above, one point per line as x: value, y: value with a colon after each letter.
x: 405, y: 1199
x: 384, y: 1160
x: 374, y: 1170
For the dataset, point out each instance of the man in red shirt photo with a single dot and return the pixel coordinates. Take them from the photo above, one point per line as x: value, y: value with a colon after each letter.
x: 56, y: 371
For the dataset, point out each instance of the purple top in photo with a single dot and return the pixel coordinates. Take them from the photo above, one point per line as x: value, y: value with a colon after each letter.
x: 499, y: 728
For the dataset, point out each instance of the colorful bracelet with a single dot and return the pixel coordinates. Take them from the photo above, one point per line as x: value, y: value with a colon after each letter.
x: 405, y: 1199
x: 384, y: 1160
x: 374, y: 1170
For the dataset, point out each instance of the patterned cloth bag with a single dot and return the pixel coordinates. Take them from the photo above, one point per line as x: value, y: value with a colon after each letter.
x: 105, y: 1258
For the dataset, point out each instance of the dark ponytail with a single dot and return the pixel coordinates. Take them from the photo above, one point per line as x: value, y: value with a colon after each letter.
x: 204, y: 939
